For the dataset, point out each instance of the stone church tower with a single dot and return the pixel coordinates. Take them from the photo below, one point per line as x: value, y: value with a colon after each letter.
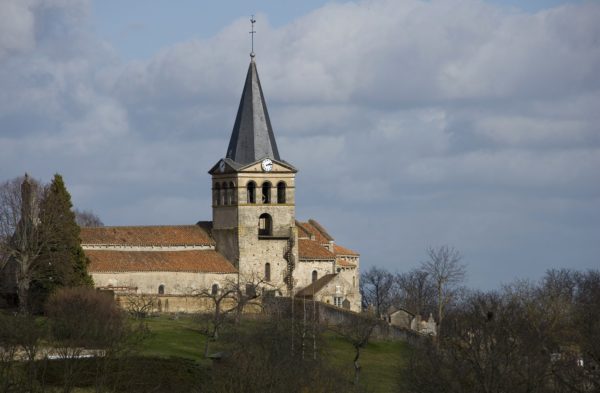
x: 253, y: 204
x: 253, y: 236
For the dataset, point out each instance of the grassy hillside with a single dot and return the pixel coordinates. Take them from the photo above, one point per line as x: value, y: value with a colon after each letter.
x: 381, y: 360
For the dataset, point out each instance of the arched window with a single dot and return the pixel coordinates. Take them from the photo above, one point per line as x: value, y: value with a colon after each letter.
x: 215, y: 289
x: 251, y: 192
x: 217, y: 194
x: 315, y: 275
x: 266, y: 192
x: 281, y: 192
x: 233, y: 199
x: 267, y: 271
x: 224, y: 194
x: 265, y: 225
x: 161, y: 289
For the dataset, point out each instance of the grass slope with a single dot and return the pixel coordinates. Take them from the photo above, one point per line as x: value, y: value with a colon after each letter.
x: 174, y: 338
x: 380, y: 360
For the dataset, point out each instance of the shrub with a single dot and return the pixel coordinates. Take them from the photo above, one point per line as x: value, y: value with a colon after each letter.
x: 84, y: 317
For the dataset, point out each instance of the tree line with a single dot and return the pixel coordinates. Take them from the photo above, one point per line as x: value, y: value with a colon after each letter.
x: 431, y: 288
x: 528, y: 336
x: 40, y: 248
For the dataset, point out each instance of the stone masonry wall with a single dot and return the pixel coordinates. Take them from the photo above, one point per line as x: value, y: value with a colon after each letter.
x: 176, y: 283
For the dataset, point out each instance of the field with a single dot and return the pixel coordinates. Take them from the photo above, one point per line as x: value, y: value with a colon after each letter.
x: 381, y: 360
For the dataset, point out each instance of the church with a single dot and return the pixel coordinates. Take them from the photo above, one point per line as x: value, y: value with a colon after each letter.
x: 254, y: 235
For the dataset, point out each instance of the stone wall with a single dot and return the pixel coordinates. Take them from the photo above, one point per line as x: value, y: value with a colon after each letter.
x: 329, y: 315
x: 235, y: 227
x: 304, y: 269
x: 340, y: 288
x: 175, y: 283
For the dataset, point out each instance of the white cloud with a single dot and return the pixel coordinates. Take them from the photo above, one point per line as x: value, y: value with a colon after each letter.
x: 426, y: 121
x: 16, y: 27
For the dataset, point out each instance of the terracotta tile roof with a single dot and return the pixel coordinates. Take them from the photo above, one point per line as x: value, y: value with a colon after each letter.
x: 316, y: 286
x: 306, y: 229
x: 302, y: 232
x: 168, y: 235
x: 310, y: 249
x: 344, y: 263
x: 202, y: 261
x: 321, y: 229
x: 340, y: 250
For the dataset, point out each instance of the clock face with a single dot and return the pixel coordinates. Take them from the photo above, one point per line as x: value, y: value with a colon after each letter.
x: 222, y: 166
x: 267, y: 165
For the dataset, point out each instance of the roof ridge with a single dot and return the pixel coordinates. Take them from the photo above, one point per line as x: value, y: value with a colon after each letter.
x: 300, y: 225
x: 320, y: 228
x: 144, y: 226
x: 317, y: 285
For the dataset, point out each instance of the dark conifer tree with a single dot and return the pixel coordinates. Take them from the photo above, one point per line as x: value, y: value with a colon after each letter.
x: 63, y: 260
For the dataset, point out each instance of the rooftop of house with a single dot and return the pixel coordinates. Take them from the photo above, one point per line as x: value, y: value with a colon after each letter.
x: 196, y: 261
x: 316, y: 286
x: 164, y: 235
x: 190, y: 235
x: 309, y: 249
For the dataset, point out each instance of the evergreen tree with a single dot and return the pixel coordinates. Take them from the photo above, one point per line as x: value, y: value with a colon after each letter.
x: 63, y: 260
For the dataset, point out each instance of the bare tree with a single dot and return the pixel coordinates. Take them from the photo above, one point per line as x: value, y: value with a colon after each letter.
x: 140, y: 305
x: 377, y: 288
x: 231, y: 300
x: 20, y: 338
x: 416, y: 291
x: 447, y: 272
x: 249, y: 292
x: 224, y: 302
x: 21, y: 241
x: 534, y: 337
x: 357, y: 331
x: 87, y: 218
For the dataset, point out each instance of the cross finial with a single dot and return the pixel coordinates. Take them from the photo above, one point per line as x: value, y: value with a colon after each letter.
x: 252, y: 32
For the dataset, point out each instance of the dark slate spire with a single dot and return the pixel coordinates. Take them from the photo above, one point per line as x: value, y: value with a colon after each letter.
x: 252, y: 137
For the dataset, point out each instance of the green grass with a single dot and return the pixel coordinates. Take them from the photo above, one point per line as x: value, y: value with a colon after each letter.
x: 174, y: 338
x: 381, y: 360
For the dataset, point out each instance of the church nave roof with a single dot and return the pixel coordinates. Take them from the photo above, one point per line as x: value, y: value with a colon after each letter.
x: 163, y: 235
x: 195, y: 261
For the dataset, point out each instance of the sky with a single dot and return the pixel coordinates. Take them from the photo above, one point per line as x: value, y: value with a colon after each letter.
x: 413, y: 123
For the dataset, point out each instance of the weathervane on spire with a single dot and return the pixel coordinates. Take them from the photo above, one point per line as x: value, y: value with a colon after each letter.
x: 252, y: 32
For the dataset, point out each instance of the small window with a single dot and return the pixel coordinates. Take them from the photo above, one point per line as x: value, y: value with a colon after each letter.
x: 266, y: 192
x: 161, y: 289
x: 265, y: 225
x: 337, y: 301
x: 232, y: 190
x: 217, y: 194
x: 251, y: 192
x: 315, y: 275
x: 267, y: 271
x: 281, y: 192
x: 354, y: 281
x: 215, y: 289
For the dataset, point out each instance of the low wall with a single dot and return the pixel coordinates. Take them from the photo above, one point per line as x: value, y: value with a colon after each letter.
x: 330, y: 315
x: 177, y: 304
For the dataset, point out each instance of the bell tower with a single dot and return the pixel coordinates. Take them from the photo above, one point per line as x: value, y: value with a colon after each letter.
x: 253, y: 196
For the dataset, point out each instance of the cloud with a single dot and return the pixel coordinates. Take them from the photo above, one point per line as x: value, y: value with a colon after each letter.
x: 412, y: 123
x: 16, y: 27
